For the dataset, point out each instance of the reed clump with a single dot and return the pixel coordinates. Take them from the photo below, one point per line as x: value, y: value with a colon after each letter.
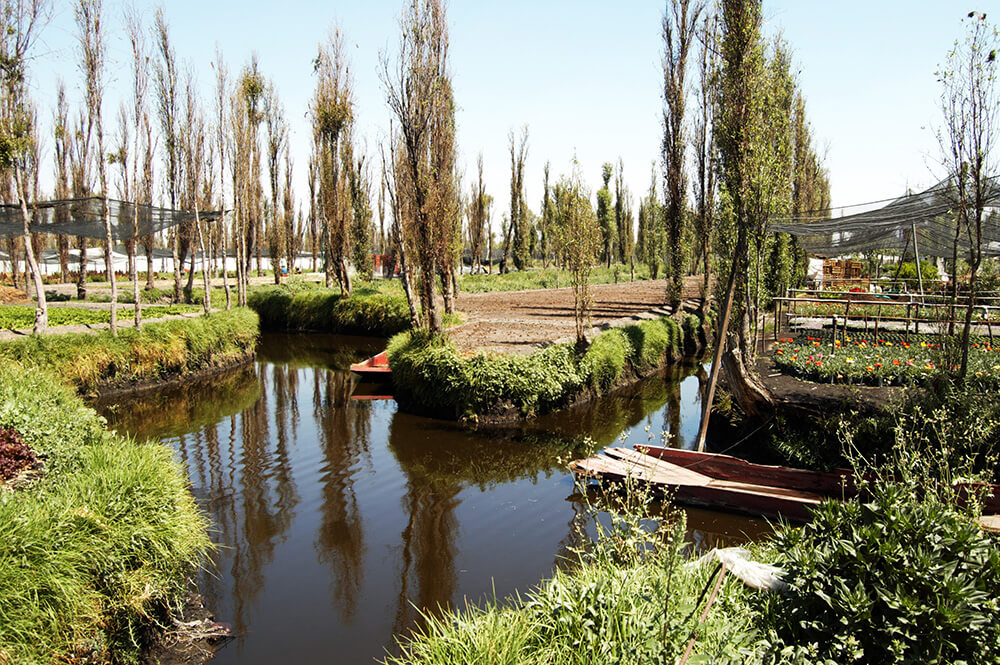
x: 96, y: 550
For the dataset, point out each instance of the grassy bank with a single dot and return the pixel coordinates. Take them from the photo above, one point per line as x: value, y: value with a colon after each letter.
x: 284, y: 308
x: 95, y: 551
x: 431, y: 377
x: 159, y: 351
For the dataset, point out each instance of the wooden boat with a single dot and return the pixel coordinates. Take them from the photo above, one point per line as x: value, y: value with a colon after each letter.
x: 730, y: 483
x: 375, y: 368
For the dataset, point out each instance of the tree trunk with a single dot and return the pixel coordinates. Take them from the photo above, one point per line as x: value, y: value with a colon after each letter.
x: 967, y: 328
x: 81, y: 276
x: 108, y: 253
x: 447, y: 290
x: 150, y: 283
x: 41, y: 309
x: 207, y: 300
x: 345, y: 277
x: 175, y: 251
x: 12, y: 252
x: 749, y: 393
x: 225, y: 267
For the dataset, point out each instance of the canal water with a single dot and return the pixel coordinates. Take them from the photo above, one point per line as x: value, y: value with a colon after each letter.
x: 339, y: 521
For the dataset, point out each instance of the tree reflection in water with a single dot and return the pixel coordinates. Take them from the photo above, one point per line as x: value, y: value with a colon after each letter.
x: 397, y: 514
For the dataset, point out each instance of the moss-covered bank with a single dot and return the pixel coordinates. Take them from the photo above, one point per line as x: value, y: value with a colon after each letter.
x: 95, y: 551
x: 431, y: 377
x: 159, y: 352
x: 286, y: 309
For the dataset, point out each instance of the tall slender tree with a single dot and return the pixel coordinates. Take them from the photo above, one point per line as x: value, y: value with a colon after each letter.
x: 519, y: 222
x: 92, y: 46
x: 679, y: 26
x: 332, y: 111
x: 605, y: 214
x: 418, y: 90
x: 705, y: 161
x: 970, y: 102
x: 168, y: 109
x: 22, y: 20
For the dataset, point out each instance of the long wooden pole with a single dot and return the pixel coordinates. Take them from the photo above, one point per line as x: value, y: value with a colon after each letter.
x: 720, y: 342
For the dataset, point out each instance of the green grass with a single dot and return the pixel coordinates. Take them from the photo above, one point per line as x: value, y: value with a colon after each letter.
x: 629, y: 598
x: 18, y: 317
x: 430, y: 376
x: 160, y: 350
x: 98, y: 549
x: 324, y: 310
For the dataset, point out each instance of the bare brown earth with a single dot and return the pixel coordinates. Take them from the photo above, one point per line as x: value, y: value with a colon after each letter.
x: 522, y: 321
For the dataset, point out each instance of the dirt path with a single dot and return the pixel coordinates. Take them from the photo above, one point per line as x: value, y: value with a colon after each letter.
x: 521, y: 321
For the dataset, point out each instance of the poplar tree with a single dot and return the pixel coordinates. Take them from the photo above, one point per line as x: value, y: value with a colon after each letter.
x: 705, y: 157
x: 605, y: 214
x: 650, y: 245
x: 168, y: 110
x: 623, y: 216
x: 679, y: 25
x: 545, y: 227
x: 22, y: 20
x: 277, y: 138
x: 331, y: 112
x: 221, y: 136
x: 141, y: 176
x: 478, y: 216
x: 92, y: 47
x: 62, y: 141
x: 418, y: 90
x: 519, y: 222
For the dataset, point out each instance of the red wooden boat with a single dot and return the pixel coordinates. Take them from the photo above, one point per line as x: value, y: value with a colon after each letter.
x: 730, y: 483
x: 376, y: 367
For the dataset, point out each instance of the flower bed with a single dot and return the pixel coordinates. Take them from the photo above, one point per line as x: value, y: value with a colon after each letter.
x: 878, y: 361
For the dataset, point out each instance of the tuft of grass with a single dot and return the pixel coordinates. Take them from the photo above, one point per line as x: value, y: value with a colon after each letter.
x: 100, y: 548
x: 629, y: 597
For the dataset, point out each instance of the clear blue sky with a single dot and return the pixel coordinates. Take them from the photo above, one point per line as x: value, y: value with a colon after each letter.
x: 583, y: 75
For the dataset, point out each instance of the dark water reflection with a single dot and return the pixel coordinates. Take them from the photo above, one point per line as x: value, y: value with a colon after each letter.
x: 337, y: 518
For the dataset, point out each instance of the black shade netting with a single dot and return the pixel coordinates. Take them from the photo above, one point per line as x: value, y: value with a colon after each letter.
x: 84, y: 217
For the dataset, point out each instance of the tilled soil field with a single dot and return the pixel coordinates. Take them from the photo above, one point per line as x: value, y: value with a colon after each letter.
x: 521, y: 321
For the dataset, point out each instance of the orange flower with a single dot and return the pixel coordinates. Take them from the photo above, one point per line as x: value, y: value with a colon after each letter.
x: 870, y: 368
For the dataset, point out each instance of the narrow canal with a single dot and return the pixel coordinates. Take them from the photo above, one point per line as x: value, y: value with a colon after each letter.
x: 340, y: 520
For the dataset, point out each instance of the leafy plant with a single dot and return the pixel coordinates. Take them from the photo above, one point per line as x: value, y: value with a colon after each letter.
x: 15, y: 455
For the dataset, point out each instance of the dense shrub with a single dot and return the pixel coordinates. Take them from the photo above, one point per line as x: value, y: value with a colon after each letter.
x: 96, y: 550
x: 281, y: 308
x: 902, y: 577
x: 604, y: 362
x: 431, y: 377
x: 160, y: 350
